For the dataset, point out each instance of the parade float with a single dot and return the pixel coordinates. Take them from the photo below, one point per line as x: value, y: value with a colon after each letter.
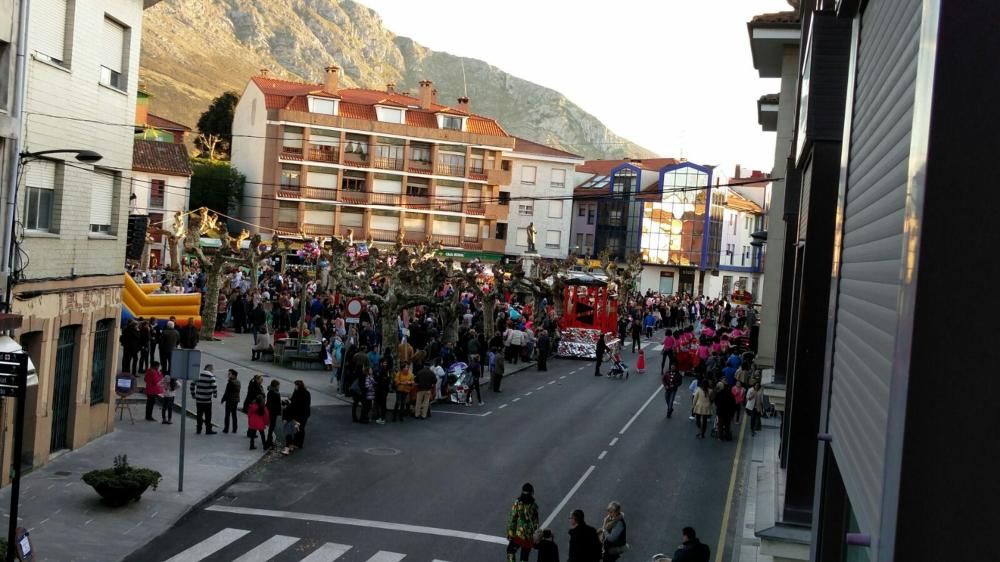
x: 590, y: 308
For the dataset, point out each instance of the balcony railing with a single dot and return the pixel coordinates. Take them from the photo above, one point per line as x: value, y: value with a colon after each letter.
x: 353, y: 197
x: 472, y: 243
x: 321, y: 229
x: 414, y: 236
x: 380, y: 235
x: 417, y: 201
x: 288, y: 226
x: 446, y: 170
x: 477, y: 174
x: 475, y: 208
x: 450, y: 241
x: 356, y: 158
x: 391, y: 199
x: 387, y: 163
x: 419, y: 167
x: 324, y: 153
x: 295, y: 192
x: 291, y: 153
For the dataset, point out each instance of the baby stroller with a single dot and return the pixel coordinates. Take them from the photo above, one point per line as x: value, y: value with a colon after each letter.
x: 459, y: 383
x: 618, y: 367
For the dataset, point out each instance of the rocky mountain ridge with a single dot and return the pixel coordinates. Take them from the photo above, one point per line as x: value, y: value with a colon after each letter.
x: 193, y: 50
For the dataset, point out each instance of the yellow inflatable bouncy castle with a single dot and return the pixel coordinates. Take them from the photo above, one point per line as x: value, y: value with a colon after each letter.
x: 137, y: 301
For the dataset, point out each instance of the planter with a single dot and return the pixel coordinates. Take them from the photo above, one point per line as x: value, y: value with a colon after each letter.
x: 117, y: 496
x: 121, y: 484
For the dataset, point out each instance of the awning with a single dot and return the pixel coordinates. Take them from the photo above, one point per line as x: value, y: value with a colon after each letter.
x: 9, y: 345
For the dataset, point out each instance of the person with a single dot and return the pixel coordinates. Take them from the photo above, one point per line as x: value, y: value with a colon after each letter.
x: 262, y: 344
x: 548, y: 550
x: 649, y: 322
x: 382, y: 383
x: 691, y: 549
x: 204, y: 391
x: 636, y: 329
x: 368, y: 389
x: 515, y: 340
x: 584, y: 544
x: 725, y: 406
x: 498, y: 370
x: 168, y: 342
x: 613, y: 533
x: 425, y: 380
x: 477, y: 373
x: 702, y: 404
x: 522, y: 523
x: 254, y: 389
x: 130, y: 347
x: 168, y: 387
x: 273, y: 410
x: 258, y: 419
x: 754, y: 407
x: 300, y: 404
x: 154, y: 389
x: 671, y: 380
x: 404, y: 385
x: 189, y: 335
x: 667, y: 352
x: 602, y: 348
x: 543, y: 345
x: 739, y: 395
x: 231, y: 399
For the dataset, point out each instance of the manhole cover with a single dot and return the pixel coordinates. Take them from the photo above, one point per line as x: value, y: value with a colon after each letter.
x: 63, y: 473
x: 383, y: 451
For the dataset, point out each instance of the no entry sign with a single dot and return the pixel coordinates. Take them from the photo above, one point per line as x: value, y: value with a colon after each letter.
x: 354, y: 311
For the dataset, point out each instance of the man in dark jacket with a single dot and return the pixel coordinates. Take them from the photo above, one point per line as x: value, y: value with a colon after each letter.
x: 425, y: 380
x: 602, y: 348
x: 584, y: 546
x: 543, y: 345
x: 130, y: 344
x: 725, y: 407
x: 692, y: 549
x: 168, y: 342
x: 189, y: 335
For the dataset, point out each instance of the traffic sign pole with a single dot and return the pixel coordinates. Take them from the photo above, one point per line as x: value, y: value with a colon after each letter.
x: 15, y: 364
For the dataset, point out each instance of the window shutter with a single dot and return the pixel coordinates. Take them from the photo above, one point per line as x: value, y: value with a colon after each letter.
x: 353, y: 220
x: 528, y: 174
x: 101, y: 195
x: 385, y: 222
x: 555, y: 209
x: 471, y: 229
x: 552, y: 237
x: 292, y: 139
x: 521, y: 238
x: 113, y: 46
x: 317, y: 179
x: 319, y: 215
x: 558, y: 178
x: 387, y: 186
x: 415, y: 224
x: 447, y: 228
x: 41, y: 173
x: 49, y: 37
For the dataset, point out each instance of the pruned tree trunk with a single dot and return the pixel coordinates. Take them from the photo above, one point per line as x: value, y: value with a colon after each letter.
x: 213, y: 276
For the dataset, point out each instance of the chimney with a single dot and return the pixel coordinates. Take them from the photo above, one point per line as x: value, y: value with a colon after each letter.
x: 463, y: 104
x: 141, y: 108
x: 332, y: 79
x: 390, y: 88
x: 264, y: 72
x: 736, y: 174
x: 434, y: 96
x: 426, y: 94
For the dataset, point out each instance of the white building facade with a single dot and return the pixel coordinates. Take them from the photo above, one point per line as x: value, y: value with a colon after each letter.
x: 541, y: 193
x: 161, y: 183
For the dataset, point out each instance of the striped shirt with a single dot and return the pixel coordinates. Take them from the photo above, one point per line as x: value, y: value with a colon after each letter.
x: 205, y: 388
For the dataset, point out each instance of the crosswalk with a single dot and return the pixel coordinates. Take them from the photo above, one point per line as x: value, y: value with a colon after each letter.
x: 272, y: 547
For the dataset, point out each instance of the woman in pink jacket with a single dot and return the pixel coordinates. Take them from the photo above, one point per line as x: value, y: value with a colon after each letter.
x: 257, y: 419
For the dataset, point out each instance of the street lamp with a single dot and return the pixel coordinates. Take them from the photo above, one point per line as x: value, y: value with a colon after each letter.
x: 6, y: 266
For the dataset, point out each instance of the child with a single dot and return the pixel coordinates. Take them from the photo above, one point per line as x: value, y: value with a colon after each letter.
x: 548, y: 550
x: 258, y: 418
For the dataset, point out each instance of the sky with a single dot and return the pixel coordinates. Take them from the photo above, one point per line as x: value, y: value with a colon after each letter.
x: 674, y: 76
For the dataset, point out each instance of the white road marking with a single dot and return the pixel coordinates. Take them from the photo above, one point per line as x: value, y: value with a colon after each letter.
x: 459, y: 413
x: 528, y: 393
x: 386, y: 556
x: 566, y: 499
x: 487, y: 413
x: 601, y: 456
x: 436, y: 560
x: 562, y: 377
x: 516, y: 399
x: 209, y: 546
x: 613, y: 441
x: 552, y: 382
x: 334, y: 520
x: 268, y: 549
x: 328, y: 552
x: 502, y: 406
x: 636, y: 415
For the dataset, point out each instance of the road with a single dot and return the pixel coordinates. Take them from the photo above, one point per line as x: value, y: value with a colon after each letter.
x: 440, y: 489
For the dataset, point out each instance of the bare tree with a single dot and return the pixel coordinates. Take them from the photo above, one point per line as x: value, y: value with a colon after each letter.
x: 622, y: 278
x: 213, y: 263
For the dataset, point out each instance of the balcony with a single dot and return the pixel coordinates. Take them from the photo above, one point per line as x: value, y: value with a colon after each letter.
x: 317, y: 193
x: 498, y: 177
x: 390, y: 199
x: 449, y: 170
x: 324, y: 153
x: 496, y: 210
x: 288, y: 226
x: 420, y: 167
x: 379, y: 235
x: 352, y: 197
x: 472, y: 243
x: 359, y: 159
x: 414, y: 237
x: 387, y: 163
x: 475, y: 208
x: 478, y: 174
x: 318, y: 229
x: 417, y: 201
x: 291, y: 153
x: 448, y: 241
x: 492, y: 245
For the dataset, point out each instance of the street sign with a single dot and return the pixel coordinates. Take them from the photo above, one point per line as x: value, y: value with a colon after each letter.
x: 185, y: 364
x: 15, y: 365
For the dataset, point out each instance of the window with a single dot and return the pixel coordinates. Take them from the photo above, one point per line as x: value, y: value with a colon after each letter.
x: 581, y: 211
x: 99, y: 363
x: 353, y: 181
x: 505, y: 165
x: 558, y: 178
x: 102, y: 196
x: 417, y: 187
x: 451, y: 164
x: 590, y: 241
x: 40, y: 181
x: 389, y: 114
x: 113, y: 54
x: 614, y: 245
x: 389, y: 156
x: 324, y: 106
x: 453, y: 123
x: 521, y: 239
x: 476, y: 164
x: 552, y: 238
x: 504, y: 198
x: 288, y: 212
x: 555, y: 209
x: 51, y: 36
x: 526, y: 209
x: 290, y: 174
x: 5, y: 77
x: 615, y: 217
x: 420, y: 154
x: 746, y: 223
x: 157, y: 190
x: 156, y: 220
x: 501, y: 233
x: 727, y: 285
x: 528, y: 175
x: 579, y: 242
x: 591, y: 213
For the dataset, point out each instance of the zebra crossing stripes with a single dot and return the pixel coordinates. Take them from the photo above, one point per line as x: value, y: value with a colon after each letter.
x: 273, y: 547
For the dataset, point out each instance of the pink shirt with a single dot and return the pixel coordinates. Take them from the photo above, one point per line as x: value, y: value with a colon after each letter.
x: 669, y: 343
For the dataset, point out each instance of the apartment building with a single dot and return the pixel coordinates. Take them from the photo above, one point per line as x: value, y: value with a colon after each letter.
x: 541, y: 194
x: 740, y: 264
x: 82, y: 75
x: 322, y: 160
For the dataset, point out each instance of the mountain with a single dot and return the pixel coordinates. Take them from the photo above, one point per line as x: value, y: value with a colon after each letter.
x: 193, y: 50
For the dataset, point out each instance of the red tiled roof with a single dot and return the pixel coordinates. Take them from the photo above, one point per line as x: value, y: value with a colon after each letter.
x: 158, y: 122
x: 529, y: 147
x: 781, y: 18
x: 160, y: 158
x: 604, y: 167
x: 359, y: 103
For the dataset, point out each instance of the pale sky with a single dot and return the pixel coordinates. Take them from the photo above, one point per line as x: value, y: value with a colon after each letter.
x: 674, y: 76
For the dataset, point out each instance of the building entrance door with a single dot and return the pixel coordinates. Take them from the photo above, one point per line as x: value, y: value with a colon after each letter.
x: 687, y: 281
x: 62, y: 391
x: 666, y: 282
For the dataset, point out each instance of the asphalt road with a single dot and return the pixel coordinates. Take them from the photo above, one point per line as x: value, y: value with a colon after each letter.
x: 440, y: 489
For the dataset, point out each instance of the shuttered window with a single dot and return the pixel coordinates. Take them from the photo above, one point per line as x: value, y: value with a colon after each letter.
x: 292, y: 137
x: 558, y: 178
x: 447, y: 227
x: 322, y: 179
x: 288, y: 213
x: 102, y: 194
x: 872, y: 249
x: 387, y: 186
x: 351, y: 219
x: 471, y: 229
x: 555, y: 209
x: 319, y: 214
x: 415, y: 224
x: 385, y: 221
x: 113, y: 45
x: 40, y: 189
x: 48, y: 38
x: 528, y: 175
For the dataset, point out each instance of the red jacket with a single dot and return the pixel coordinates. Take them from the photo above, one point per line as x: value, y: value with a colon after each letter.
x: 153, y: 378
x: 258, y: 418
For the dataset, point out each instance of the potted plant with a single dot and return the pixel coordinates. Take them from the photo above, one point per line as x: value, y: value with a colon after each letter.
x: 122, y: 483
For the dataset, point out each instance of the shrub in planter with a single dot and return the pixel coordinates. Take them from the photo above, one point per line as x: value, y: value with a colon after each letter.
x: 122, y: 483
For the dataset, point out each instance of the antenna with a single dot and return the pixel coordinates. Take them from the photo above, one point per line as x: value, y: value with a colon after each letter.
x: 465, y: 85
